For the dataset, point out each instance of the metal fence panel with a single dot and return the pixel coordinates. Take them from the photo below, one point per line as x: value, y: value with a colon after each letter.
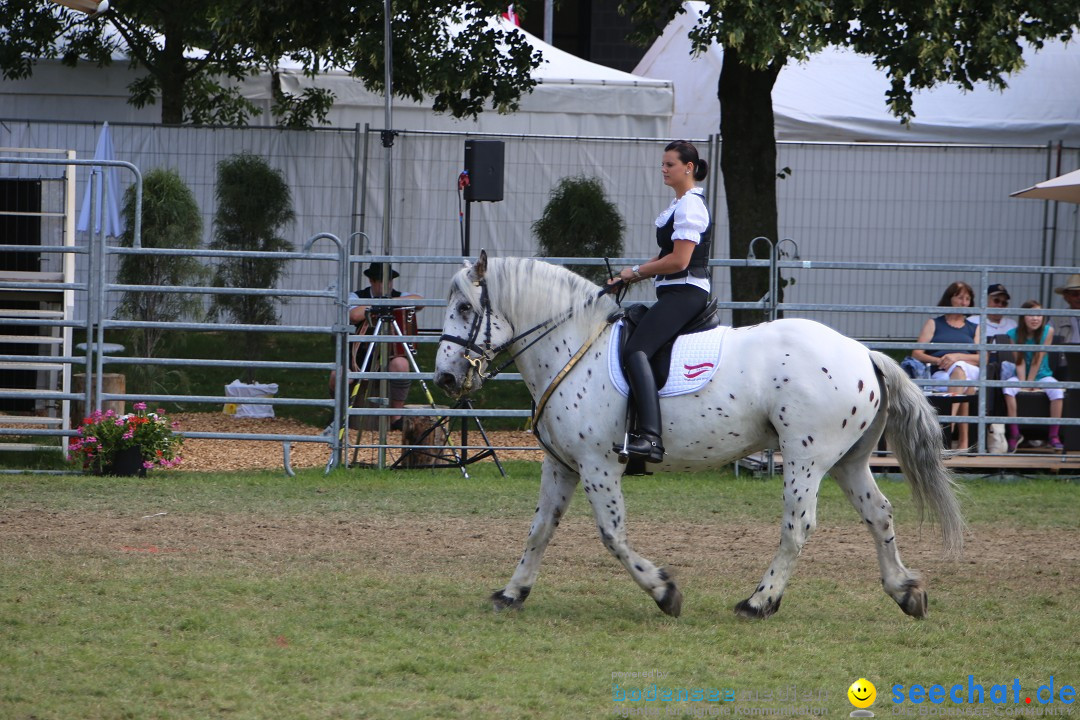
x: 870, y: 202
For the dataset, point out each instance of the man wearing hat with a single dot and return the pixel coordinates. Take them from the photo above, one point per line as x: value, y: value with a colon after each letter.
x: 1067, y: 329
x: 996, y: 324
x: 375, y: 272
x: 358, y: 315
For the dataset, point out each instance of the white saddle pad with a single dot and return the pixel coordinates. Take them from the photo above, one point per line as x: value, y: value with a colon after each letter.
x: 694, y: 360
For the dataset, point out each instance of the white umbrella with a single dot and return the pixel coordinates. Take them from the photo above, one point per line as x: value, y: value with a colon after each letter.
x: 110, y: 189
x: 92, y: 7
x: 1065, y: 188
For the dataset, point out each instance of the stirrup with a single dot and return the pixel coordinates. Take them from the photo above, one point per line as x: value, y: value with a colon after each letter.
x: 623, y: 450
x: 649, y: 448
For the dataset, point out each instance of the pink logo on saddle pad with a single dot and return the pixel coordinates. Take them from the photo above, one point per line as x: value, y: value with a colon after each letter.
x: 693, y: 371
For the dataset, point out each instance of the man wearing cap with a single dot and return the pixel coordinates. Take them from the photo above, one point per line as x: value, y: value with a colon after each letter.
x: 996, y: 297
x: 358, y: 315
x: 1067, y: 329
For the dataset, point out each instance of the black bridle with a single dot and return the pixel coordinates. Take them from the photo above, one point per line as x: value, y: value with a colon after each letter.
x: 487, y: 353
x: 484, y: 355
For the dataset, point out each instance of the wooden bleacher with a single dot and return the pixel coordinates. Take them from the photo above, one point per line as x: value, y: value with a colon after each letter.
x: 1035, y: 462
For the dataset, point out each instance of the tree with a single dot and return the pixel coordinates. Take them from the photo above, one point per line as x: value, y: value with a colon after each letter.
x: 579, y: 221
x: 195, y: 52
x: 918, y: 44
x: 254, y: 203
x: 170, y: 219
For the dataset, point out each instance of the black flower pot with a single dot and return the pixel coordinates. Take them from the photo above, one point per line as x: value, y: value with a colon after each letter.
x: 127, y: 463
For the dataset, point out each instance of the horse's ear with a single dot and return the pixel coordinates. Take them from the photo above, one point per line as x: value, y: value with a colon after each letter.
x: 480, y: 268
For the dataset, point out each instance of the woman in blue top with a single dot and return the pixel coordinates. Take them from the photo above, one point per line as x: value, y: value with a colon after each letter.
x: 680, y: 274
x: 959, y: 362
x: 1033, y: 367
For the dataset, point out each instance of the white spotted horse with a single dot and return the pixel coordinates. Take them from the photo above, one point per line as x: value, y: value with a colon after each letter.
x: 823, y: 400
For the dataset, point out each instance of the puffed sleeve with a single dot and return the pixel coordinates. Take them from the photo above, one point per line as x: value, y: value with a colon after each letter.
x: 691, y: 218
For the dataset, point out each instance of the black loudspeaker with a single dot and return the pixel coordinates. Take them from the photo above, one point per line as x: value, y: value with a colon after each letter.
x: 484, y: 163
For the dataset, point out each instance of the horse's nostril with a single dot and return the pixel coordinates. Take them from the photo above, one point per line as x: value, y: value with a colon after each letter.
x: 445, y: 380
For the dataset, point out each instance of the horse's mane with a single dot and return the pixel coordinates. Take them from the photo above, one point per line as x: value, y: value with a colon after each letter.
x: 531, y: 291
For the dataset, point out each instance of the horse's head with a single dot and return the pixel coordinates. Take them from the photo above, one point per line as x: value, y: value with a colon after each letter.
x: 473, y: 332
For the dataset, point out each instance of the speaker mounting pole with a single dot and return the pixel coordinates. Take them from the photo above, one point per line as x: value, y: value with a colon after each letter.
x: 465, y: 239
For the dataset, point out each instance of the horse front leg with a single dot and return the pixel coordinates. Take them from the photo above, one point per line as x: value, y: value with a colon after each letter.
x: 557, y: 486
x: 604, y: 490
x: 904, y: 586
x: 802, y: 477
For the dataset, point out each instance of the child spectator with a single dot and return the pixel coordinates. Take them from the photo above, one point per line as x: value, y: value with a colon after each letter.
x: 1033, y: 367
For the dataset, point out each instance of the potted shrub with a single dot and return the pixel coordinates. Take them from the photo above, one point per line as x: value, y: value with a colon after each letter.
x: 254, y: 204
x: 170, y: 219
x: 579, y: 221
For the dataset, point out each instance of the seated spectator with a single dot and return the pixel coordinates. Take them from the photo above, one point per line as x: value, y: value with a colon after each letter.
x: 997, y: 324
x: 960, y: 361
x: 1067, y: 329
x: 360, y: 315
x: 1033, y: 367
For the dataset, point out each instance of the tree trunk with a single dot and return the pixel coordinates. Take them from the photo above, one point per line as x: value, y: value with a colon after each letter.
x: 173, y: 76
x: 748, y: 163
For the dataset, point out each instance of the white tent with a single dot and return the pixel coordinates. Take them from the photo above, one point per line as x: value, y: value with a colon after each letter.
x: 573, y: 97
x: 840, y: 96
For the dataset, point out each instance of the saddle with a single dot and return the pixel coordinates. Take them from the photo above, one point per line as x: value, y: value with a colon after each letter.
x: 707, y: 319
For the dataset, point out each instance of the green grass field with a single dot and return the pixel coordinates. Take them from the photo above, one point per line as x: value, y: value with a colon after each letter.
x: 364, y: 595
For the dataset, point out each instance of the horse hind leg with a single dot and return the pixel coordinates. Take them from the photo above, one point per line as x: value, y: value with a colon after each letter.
x: 557, y: 486
x: 802, y: 478
x: 904, y: 586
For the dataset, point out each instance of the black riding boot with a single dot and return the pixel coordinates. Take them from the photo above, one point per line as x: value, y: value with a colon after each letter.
x: 644, y: 441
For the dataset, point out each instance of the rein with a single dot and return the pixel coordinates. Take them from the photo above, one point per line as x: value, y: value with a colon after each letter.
x: 557, y: 380
x: 486, y: 355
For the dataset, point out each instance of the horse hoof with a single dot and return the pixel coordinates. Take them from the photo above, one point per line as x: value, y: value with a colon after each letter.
x: 502, y: 601
x: 671, y: 602
x: 915, y: 601
x: 748, y: 611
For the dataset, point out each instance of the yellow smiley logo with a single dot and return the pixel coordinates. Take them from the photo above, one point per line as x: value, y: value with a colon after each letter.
x: 862, y: 693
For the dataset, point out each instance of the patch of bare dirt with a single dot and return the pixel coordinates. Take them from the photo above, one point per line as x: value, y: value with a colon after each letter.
x: 1024, y: 560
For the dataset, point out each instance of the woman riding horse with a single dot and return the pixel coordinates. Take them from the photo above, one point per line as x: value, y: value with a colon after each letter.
x: 680, y: 273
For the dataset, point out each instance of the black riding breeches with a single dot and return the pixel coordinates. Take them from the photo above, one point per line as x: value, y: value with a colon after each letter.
x: 676, y: 305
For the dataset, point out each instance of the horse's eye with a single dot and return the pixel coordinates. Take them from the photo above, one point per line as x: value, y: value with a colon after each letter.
x: 464, y: 309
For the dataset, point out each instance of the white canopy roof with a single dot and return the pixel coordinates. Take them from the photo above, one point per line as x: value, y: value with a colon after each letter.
x: 840, y: 96
x: 572, y: 97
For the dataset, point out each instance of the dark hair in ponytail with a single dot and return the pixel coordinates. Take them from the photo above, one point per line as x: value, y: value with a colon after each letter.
x: 689, y: 154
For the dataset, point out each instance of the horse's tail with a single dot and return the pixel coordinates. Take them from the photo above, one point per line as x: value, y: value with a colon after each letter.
x: 914, y: 435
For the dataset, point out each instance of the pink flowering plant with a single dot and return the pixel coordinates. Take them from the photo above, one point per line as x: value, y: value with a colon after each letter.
x: 104, y: 434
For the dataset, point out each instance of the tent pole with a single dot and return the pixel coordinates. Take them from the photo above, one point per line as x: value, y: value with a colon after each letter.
x: 388, y: 143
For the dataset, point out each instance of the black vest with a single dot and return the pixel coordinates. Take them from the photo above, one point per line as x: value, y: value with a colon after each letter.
x: 699, y: 261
